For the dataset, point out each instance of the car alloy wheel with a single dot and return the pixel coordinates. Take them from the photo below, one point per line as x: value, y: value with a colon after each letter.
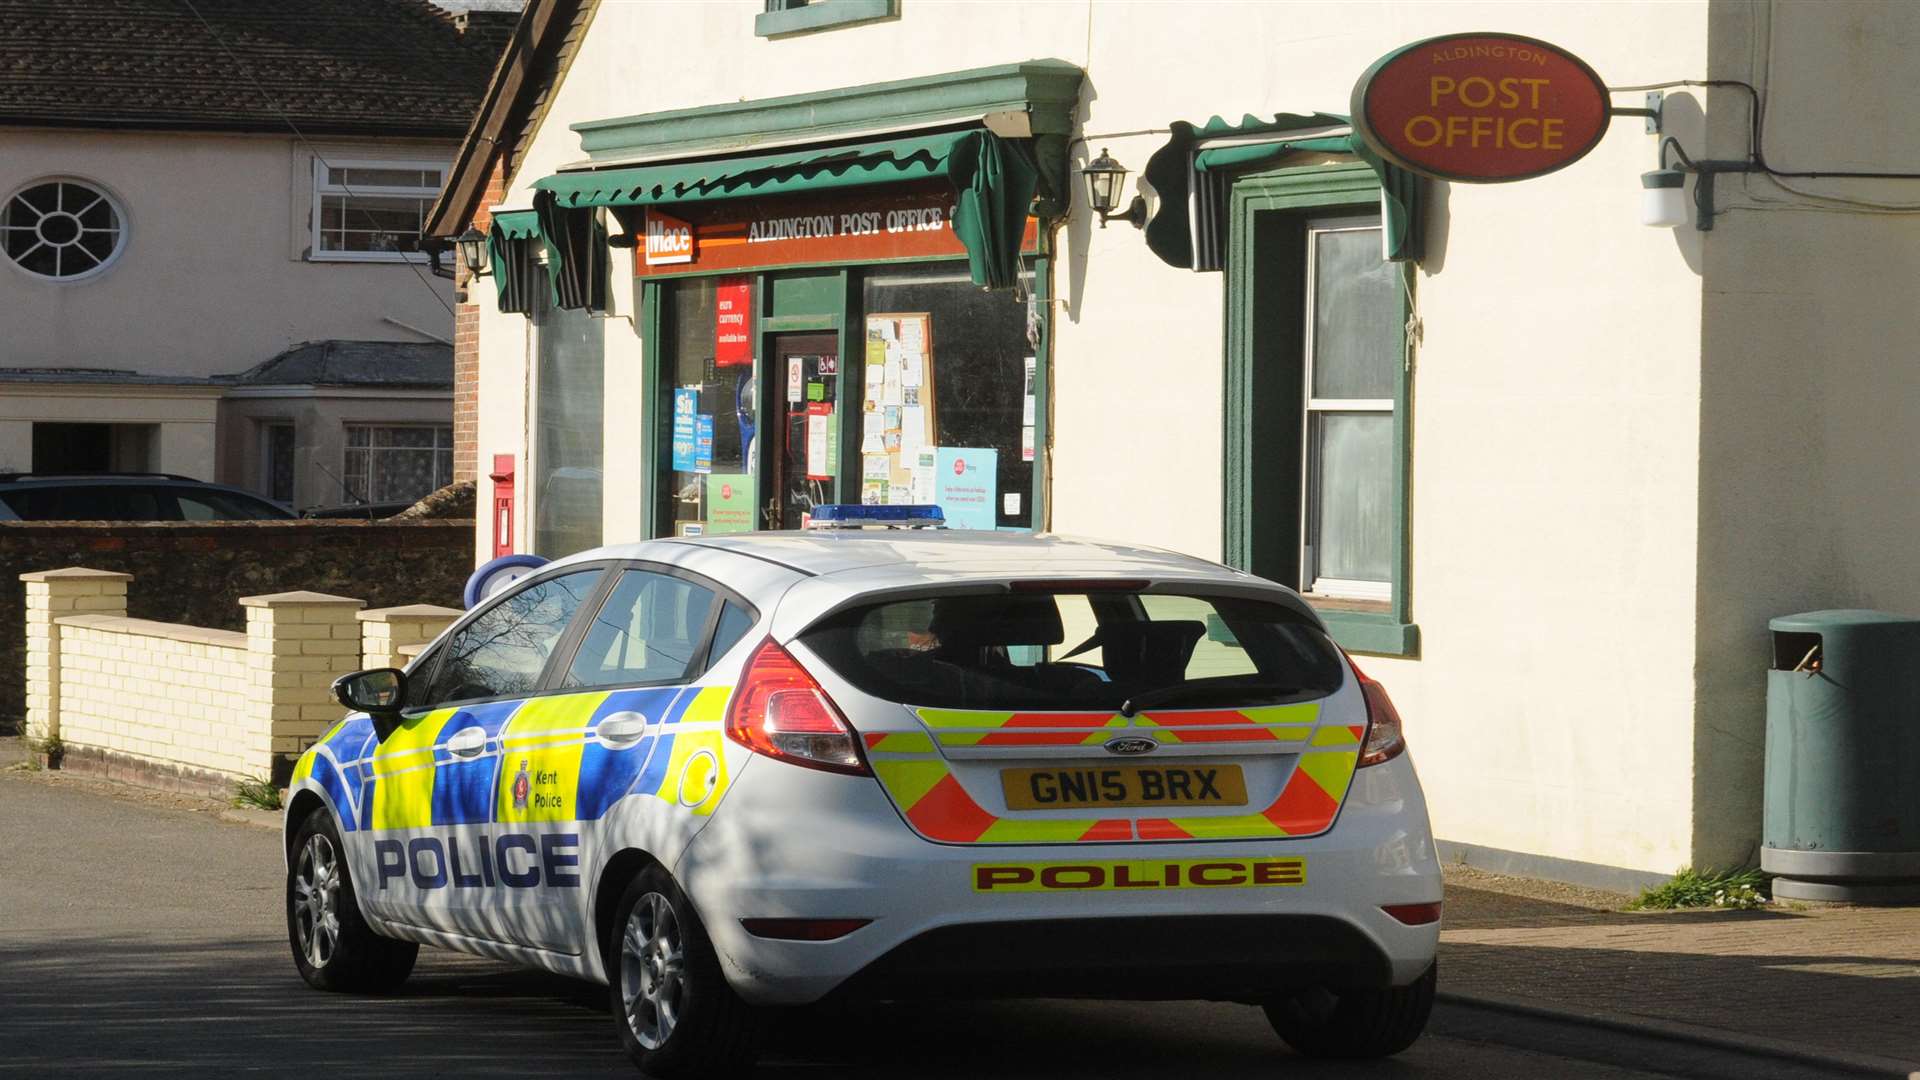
x: 652, y: 971
x: 316, y: 900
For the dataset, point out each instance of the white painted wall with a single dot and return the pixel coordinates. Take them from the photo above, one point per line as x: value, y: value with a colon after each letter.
x: 1811, y: 394
x: 1556, y: 400
x: 185, y: 417
x: 214, y: 277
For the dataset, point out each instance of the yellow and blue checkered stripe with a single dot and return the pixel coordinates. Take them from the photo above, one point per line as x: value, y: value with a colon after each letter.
x: 541, y: 760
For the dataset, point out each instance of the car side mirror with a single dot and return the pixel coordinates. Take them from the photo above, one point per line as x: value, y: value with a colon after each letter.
x: 379, y: 693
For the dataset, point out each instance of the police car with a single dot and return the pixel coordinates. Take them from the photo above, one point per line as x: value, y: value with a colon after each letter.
x: 727, y: 774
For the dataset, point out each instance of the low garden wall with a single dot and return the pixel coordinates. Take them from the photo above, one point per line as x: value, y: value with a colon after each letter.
x: 196, y: 572
x: 192, y: 707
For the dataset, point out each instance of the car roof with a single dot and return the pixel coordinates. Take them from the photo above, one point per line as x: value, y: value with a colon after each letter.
x: 937, y: 553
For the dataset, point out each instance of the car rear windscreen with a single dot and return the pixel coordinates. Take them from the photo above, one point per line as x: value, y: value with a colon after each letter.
x: 1067, y: 650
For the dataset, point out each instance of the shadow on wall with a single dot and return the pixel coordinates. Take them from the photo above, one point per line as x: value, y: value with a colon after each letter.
x: 196, y: 572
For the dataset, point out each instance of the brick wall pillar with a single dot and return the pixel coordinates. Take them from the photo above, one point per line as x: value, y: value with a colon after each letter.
x: 74, y: 590
x: 298, y: 643
x: 385, y: 631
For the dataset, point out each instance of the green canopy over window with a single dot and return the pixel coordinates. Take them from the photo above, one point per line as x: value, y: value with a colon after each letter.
x: 510, y: 241
x: 1192, y: 183
x: 993, y: 179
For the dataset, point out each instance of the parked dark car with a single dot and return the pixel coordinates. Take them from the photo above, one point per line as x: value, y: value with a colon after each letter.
x: 128, y: 497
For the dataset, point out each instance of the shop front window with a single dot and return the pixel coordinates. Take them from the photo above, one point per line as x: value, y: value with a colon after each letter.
x: 947, y: 402
x: 568, y: 428
x: 710, y: 478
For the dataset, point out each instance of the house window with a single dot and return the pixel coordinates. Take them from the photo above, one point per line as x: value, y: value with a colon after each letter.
x: 397, y: 464
x: 1352, y: 351
x: 783, y: 17
x: 1318, y: 389
x: 278, y: 461
x: 372, y: 211
x: 62, y: 229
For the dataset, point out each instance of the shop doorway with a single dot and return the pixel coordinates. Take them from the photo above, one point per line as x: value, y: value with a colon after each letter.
x: 805, y: 458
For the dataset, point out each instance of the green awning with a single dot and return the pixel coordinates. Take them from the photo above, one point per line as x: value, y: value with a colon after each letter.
x: 1192, y: 183
x: 994, y: 180
x: 510, y: 241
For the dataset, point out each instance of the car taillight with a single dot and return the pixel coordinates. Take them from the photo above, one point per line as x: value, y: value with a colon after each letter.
x: 1384, y: 739
x: 780, y: 711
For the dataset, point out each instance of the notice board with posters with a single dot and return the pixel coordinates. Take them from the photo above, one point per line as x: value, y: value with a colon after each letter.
x: 897, y: 416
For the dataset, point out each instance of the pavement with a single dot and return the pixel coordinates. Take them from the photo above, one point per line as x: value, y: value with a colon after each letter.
x: 142, y: 931
x: 1836, y: 984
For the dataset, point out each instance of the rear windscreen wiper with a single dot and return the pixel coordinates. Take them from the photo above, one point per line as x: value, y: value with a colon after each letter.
x: 1169, y: 694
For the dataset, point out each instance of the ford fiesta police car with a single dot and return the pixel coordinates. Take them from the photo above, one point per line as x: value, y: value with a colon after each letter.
x: 731, y: 773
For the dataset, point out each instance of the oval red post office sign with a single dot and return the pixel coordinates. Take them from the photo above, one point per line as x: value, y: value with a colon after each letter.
x: 1481, y: 107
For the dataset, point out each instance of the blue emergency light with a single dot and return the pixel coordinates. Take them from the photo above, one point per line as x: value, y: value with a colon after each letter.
x: 856, y: 515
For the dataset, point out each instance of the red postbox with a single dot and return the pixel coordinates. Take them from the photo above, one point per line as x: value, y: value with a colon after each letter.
x: 502, y: 476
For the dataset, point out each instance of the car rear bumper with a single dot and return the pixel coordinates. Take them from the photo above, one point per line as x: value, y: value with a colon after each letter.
x: 1143, y: 958
x: 799, y: 844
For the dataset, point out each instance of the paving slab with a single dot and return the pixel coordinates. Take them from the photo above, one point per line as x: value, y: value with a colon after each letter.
x: 1839, y: 982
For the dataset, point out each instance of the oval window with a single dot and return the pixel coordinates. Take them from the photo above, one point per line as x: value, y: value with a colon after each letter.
x: 61, y: 229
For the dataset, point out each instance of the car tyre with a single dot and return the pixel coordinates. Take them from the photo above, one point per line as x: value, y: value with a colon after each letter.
x: 333, y: 946
x: 1325, y: 1023
x: 676, y: 1014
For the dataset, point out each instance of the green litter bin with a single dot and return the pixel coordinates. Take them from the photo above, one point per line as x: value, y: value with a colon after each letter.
x: 1842, y: 817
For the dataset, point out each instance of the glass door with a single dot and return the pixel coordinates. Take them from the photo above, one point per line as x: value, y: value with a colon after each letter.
x: 805, y: 451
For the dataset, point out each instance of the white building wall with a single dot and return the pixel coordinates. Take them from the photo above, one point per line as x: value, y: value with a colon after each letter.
x: 1556, y: 398
x: 214, y: 277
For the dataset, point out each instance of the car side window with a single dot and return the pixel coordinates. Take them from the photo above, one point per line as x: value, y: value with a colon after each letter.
x: 88, y: 502
x: 502, y: 652
x: 650, y: 630
x: 735, y: 621
x: 221, y: 506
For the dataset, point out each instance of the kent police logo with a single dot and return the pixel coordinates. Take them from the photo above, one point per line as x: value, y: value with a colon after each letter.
x: 522, y: 784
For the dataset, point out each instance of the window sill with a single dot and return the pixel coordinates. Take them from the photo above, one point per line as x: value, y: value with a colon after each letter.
x: 1377, y: 633
x: 821, y: 15
x: 365, y: 257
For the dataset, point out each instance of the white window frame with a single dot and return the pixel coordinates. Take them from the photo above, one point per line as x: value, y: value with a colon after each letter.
x: 1312, y: 583
x: 346, y: 447
x: 322, y: 188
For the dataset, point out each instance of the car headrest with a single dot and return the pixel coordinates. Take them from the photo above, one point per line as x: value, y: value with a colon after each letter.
x: 972, y: 621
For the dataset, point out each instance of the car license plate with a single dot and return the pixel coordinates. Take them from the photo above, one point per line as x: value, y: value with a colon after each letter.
x: 1124, y: 785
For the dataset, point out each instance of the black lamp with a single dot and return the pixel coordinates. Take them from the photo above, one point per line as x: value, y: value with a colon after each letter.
x: 473, y: 252
x: 1104, y: 179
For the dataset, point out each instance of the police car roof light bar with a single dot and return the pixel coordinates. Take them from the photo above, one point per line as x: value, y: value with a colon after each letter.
x: 856, y: 516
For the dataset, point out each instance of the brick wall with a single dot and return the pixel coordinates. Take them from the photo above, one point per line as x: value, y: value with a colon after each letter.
x: 196, y: 573
x: 466, y: 339
x: 187, y: 706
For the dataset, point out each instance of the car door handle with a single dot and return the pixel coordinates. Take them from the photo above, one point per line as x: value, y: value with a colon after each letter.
x: 467, y: 742
x: 621, y: 727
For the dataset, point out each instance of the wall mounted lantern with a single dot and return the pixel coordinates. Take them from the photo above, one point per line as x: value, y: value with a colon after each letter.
x: 1663, y: 198
x: 473, y: 252
x: 1104, y: 179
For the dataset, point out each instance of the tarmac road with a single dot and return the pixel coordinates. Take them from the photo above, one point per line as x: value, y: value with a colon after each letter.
x: 140, y: 936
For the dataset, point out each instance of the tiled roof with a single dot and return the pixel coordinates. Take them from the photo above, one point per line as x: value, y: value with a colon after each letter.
x: 354, y: 363
x: 372, y: 67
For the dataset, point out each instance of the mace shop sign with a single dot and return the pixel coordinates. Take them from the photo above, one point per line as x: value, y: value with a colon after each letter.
x: 890, y: 224
x: 1481, y: 107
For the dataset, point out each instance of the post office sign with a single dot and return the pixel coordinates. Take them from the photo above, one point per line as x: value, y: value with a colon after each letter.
x: 1481, y: 107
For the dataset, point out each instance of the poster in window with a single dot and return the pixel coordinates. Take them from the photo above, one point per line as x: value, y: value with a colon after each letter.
x: 730, y: 503
x: 966, y: 482
x: 899, y: 419
x: 733, y: 322
x: 686, y: 404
